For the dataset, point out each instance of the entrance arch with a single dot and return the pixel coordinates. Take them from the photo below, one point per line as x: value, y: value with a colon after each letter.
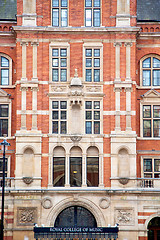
x: 75, y: 216
x: 154, y: 229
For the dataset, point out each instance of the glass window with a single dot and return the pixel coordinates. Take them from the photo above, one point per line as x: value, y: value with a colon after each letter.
x: 92, y: 65
x: 75, y: 171
x: 92, y: 117
x: 4, y: 71
x: 58, y: 171
x: 151, y: 167
x: 59, y: 64
x: 92, y: 171
x: 1, y: 167
x: 59, y: 117
x: 151, y: 72
x: 4, y: 118
x: 59, y: 13
x: 92, y: 13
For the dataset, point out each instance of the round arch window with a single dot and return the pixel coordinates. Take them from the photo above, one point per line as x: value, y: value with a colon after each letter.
x: 154, y: 229
x: 75, y: 216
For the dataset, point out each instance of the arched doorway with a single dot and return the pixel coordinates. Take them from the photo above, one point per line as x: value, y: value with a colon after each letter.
x: 154, y: 229
x: 75, y: 216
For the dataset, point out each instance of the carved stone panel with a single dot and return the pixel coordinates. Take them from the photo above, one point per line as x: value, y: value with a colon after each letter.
x: 26, y: 216
x: 124, y: 216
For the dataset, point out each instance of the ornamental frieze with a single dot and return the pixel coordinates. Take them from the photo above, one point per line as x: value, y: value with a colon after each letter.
x: 26, y: 216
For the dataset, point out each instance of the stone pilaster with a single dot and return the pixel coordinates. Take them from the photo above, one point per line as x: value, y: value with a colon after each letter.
x: 24, y: 60
x: 84, y: 171
x: 34, y: 45
x: 128, y: 61
x: 117, y: 46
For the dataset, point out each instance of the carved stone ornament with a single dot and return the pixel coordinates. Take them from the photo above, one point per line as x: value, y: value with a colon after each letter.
x: 124, y: 216
x: 123, y: 181
x: 27, y: 180
x: 47, y: 203
x: 104, y: 202
x: 76, y: 138
x: 93, y: 89
x: 58, y: 89
x: 26, y: 216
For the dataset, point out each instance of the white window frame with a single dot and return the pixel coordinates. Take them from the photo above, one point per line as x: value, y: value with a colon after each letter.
x: 59, y: 45
x: 142, y: 165
x: 94, y: 45
x: 92, y: 13
x: 141, y: 70
x: 60, y: 8
x: 4, y: 100
x: 10, y: 70
x: 8, y: 164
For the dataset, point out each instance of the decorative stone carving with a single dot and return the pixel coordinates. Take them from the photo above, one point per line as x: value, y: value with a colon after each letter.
x: 47, y: 203
x: 76, y: 138
x: 26, y: 216
x: 124, y: 216
x: 104, y: 202
x: 123, y: 181
x: 58, y: 89
x: 27, y: 180
x: 76, y: 80
x: 93, y: 89
x: 119, y: 44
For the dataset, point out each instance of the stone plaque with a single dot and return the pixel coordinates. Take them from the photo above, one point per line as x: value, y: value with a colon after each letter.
x: 124, y: 216
x: 26, y: 216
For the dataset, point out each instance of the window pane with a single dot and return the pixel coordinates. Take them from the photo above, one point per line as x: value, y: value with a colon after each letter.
x: 88, y: 127
x: 96, y: 3
x: 55, y: 3
x: 96, y: 75
x: 146, y: 111
x: 55, y: 104
x: 88, y: 18
x: 88, y: 115
x: 5, y: 76
x: 146, y: 175
x: 55, y: 20
x: 63, y: 105
x: 156, y: 77
x: 4, y: 62
x: 63, y: 52
x: 92, y: 171
x: 88, y: 52
x: 75, y: 171
x: 147, y: 165
x: 55, y: 75
x: 3, y: 127
x: 63, y: 127
x: 96, y: 52
x: 96, y: 62
x: 88, y: 105
x: 63, y: 75
x: 88, y: 3
x: 156, y: 111
x: 55, y: 62
x: 146, y: 128
x: 156, y: 128
x: 55, y: 115
x: 146, y: 63
x: 96, y: 115
x: 146, y: 77
x: 157, y: 165
x: 63, y: 62
x: 3, y: 110
x: 64, y: 17
x: 96, y: 17
x: 55, y: 127
x: 88, y: 62
x: 156, y: 63
x: 96, y: 105
x: 63, y: 3
x: 58, y: 171
x: 55, y: 53
x: 88, y: 75
x: 63, y: 114
x: 96, y: 127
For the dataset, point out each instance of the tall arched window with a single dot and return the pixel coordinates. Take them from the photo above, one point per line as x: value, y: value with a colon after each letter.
x: 76, y: 167
x: 151, y: 71
x: 59, y: 167
x: 5, y: 70
x: 92, y: 167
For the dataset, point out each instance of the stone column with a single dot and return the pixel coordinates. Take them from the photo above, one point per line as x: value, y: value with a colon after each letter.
x: 34, y: 107
x: 128, y: 108
x: 67, y: 171
x: 24, y: 60
x: 50, y: 178
x: 117, y: 46
x: 128, y: 61
x: 23, y: 107
x: 101, y: 175
x: 117, y: 108
x: 34, y: 45
x: 84, y: 170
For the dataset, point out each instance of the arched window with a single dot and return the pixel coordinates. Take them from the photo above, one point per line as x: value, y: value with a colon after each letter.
x: 5, y: 70
x: 151, y: 71
x: 75, y: 216
x: 92, y: 167
x: 59, y: 167
x: 154, y: 229
x: 76, y: 167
